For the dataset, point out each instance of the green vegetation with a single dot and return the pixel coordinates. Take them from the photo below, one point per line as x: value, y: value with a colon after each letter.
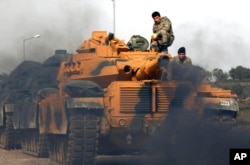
x: 240, y: 73
x: 237, y: 80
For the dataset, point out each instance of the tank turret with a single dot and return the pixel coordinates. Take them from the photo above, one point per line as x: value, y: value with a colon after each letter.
x: 104, y: 58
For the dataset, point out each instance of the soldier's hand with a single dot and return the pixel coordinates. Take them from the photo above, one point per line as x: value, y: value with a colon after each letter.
x: 154, y: 36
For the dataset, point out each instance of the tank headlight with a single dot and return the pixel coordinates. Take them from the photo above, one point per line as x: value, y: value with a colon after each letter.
x: 122, y: 122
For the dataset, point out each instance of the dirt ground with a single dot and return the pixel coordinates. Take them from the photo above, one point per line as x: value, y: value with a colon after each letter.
x: 16, y: 157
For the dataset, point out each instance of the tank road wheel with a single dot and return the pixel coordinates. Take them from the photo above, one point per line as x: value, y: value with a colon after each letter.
x: 83, y: 139
x: 35, y: 144
x: 7, y: 133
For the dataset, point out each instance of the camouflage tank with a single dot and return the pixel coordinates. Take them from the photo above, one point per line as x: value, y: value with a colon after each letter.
x: 217, y: 104
x: 111, y: 99
x: 19, y: 97
x: 212, y: 103
x: 13, y: 89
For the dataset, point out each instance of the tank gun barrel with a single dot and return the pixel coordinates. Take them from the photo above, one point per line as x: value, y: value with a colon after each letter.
x: 151, y: 66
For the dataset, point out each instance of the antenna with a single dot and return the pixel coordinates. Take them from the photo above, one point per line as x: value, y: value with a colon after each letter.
x: 113, y: 16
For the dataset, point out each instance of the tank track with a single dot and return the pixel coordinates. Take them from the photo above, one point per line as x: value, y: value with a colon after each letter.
x: 17, y: 140
x: 82, y: 141
x: 7, y: 133
x: 84, y: 132
x: 35, y: 144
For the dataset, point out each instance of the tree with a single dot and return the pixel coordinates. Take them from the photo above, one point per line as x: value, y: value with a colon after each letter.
x: 240, y: 73
x: 220, y: 75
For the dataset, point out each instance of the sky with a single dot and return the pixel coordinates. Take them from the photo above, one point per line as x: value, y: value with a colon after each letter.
x: 215, y: 32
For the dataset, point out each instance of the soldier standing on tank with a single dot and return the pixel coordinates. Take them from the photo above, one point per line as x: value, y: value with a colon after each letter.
x: 163, y: 36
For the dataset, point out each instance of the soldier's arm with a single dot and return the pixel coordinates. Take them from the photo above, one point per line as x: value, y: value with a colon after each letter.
x: 165, y: 27
x: 189, y: 61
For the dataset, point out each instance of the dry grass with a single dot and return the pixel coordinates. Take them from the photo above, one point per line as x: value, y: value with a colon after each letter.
x: 244, y: 116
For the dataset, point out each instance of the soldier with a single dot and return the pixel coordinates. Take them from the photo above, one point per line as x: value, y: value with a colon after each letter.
x: 163, y: 36
x: 176, y: 69
x: 181, y: 57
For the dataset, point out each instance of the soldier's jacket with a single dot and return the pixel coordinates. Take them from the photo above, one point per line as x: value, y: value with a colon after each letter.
x: 164, y: 30
x: 187, y: 60
x: 176, y: 69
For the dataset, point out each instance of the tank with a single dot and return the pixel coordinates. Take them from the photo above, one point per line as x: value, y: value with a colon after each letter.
x: 14, y: 88
x: 217, y: 104
x: 19, y: 97
x: 111, y: 99
x: 213, y: 103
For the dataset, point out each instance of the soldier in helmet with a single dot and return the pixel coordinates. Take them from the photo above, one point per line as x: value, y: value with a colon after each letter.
x: 163, y: 36
x: 181, y: 57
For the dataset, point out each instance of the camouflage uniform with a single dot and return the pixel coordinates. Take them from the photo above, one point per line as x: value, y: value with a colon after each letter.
x: 187, y: 60
x: 164, y: 34
x: 176, y: 69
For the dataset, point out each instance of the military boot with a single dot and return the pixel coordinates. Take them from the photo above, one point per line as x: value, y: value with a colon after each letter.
x: 164, y: 48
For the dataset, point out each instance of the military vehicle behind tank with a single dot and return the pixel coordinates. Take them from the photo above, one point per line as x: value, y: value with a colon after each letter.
x: 19, y: 97
x: 14, y: 88
x: 111, y: 98
x: 212, y: 102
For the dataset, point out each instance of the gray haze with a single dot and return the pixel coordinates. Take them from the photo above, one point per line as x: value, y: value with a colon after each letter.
x: 62, y: 25
x: 215, y: 33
